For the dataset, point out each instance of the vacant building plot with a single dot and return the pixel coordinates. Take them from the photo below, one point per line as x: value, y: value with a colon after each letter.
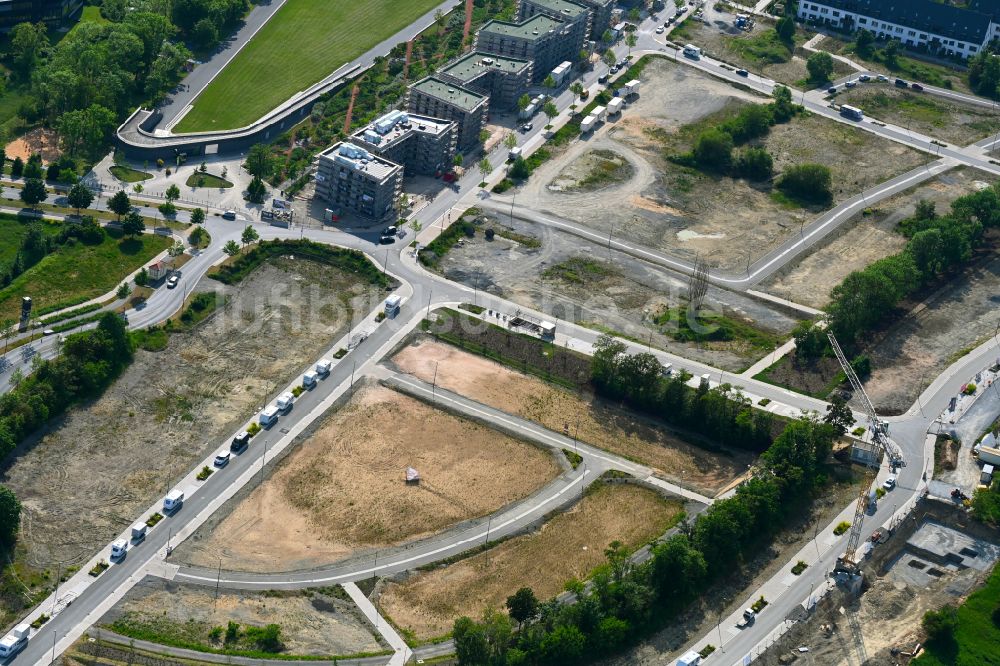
x: 866, y: 237
x: 305, y: 41
x: 691, y: 213
x: 343, y: 487
x: 934, y: 333
x: 943, y: 119
x: 590, y: 420
x: 569, y: 546
x: 594, y: 170
x: 172, y: 407
x: 311, y: 622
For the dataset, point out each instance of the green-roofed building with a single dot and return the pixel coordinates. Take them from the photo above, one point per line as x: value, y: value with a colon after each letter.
x: 503, y: 79
x: 541, y: 38
x: 438, y: 98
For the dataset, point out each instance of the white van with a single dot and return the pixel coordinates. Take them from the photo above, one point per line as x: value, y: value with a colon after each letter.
x: 692, y: 51
x: 173, y: 501
x: 269, y: 416
x: 323, y: 367
x: 118, y: 549
x: 284, y: 401
x: 309, y: 379
x: 138, y: 533
x: 15, y: 641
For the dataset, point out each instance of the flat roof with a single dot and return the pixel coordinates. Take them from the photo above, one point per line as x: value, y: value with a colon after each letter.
x: 416, y: 123
x: 475, y: 63
x: 534, y: 28
x: 449, y: 92
x: 370, y: 164
x: 564, y: 7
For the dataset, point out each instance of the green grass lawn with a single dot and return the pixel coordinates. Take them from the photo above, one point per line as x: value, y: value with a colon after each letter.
x: 303, y: 42
x: 199, y: 179
x: 128, y: 175
x: 90, y: 14
x: 12, y: 232
x: 977, y: 635
x: 78, y: 271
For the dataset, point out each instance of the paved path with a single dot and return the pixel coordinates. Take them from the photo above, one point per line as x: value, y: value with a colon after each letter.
x: 401, y: 651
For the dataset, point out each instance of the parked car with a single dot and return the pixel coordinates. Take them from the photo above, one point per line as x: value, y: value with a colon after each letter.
x: 229, y: 215
x: 48, y: 331
x: 527, y: 127
x: 900, y: 83
x: 659, y: 30
x: 240, y: 442
x: 172, y: 281
x: 221, y: 458
x: 832, y: 90
x: 851, y: 83
x: 883, y: 78
x: 890, y: 482
x: 742, y: 72
x: 603, y: 78
x: 864, y: 78
x: 916, y: 86
x: 118, y: 550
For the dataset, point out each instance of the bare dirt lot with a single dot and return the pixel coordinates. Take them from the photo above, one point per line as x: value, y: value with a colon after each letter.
x: 866, y: 238
x: 171, y: 408
x: 949, y: 120
x: 568, y: 546
x: 595, y: 421
x: 342, y: 488
x: 312, y: 622
x: 579, y: 281
x: 686, y: 212
x: 594, y: 170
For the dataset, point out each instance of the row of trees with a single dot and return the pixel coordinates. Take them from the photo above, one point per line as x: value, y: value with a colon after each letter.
x: 937, y: 245
x: 626, y: 601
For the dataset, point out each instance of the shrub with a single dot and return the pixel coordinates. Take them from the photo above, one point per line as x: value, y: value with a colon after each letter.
x: 340, y: 353
x: 759, y: 605
x: 799, y: 567
x: 810, y: 183
x: 755, y: 164
x: 714, y: 149
x: 940, y: 624
x: 99, y: 568
x: 970, y: 389
x: 155, y: 518
x: 205, y: 472
x: 297, y: 391
x: 253, y: 429
x: 841, y: 527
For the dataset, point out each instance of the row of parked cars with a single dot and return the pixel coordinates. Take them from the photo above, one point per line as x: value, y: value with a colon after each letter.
x: 865, y: 78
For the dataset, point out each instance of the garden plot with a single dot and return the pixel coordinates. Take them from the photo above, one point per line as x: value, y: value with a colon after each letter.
x: 171, y: 408
x: 690, y: 213
x: 589, y: 419
x: 569, y: 546
x: 342, y: 488
x: 865, y: 238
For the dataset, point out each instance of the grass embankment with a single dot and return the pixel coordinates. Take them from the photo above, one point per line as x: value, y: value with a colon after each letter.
x: 976, y: 635
x: 813, y: 377
x: 293, y: 51
x: 125, y: 174
x: 78, y: 272
x: 349, y: 261
x: 433, y: 252
x: 201, y: 179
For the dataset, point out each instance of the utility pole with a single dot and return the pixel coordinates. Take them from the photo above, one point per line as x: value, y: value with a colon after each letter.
x: 434, y: 382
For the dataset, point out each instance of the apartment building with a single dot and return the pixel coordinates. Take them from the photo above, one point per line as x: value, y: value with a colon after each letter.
x: 436, y: 98
x: 355, y: 181
x: 421, y: 145
x: 503, y: 79
x: 941, y: 29
x: 52, y: 12
x: 600, y: 16
x: 542, y: 39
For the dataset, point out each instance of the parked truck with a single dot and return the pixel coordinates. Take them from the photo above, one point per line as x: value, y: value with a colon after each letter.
x: 310, y: 378
x: 615, y: 106
x: 986, y: 478
x: 173, y: 501
x: 15, y: 641
x: 690, y: 658
x: 284, y: 401
x: 269, y: 416
x: 989, y: 455
x: 587, y: 124
x: 560, y: 73
x: 631, y: 88
x: 323, y: 367
x: 138, y: 533
x: 600, y: 112
x: 395, y: 301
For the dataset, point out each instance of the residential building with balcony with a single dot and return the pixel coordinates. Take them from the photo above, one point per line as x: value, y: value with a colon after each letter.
x: 434, y: 97
x: 355, y: 181
x: 503, y: 79
x: 421, y: 145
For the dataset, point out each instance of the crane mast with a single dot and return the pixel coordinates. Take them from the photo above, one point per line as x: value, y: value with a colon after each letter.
x: 879, y: 430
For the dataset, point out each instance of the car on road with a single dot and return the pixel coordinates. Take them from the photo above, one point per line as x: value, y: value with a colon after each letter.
x: 883, y: 78
x: 614, y: 69
x: 48, y: 331
x: 229, y: 215
x: 916, y: 86
x: 603, y: 78
x: 118, y: 550
x: 832, y: 90
x: 221, y: 458
x: 900, y: 83
x: 659, y: 30
x: 386, y: 239
x: 890, y: 482
x: 851, y: 83
x: 172, y: 281
x: 527, y: 127
x: 668, y: 22
x: 864, y: 78
x: 240, y: 442
x: 742, y: 72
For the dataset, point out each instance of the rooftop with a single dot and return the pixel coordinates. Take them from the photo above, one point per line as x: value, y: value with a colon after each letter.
x: 924, y: 15
x: 475, y: 63
x: 564, y: 7
x: 347, y: 154
x: 394, y: 126
x: 456, y: 95
x: 536, y: 27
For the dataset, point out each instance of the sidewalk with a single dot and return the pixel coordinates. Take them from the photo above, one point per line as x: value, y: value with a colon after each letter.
x: 403, y: 652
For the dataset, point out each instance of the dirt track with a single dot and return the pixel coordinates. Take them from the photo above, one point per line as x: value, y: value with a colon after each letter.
x: 342, y: 489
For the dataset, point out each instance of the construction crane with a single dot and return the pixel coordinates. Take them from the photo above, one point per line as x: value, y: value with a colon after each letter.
x: 879, y: 430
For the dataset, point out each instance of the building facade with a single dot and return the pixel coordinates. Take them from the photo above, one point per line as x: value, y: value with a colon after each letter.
x: 503, y: 79
x: 600, y: 16
x: 354, y: 181
x: 543, y: 40
x: 52, y: 12
x: 436, y: 98
x: 421, y: 145
x: 925, y: 25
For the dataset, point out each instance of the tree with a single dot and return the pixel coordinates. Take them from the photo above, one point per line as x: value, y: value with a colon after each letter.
x: 631, y: 40
x: 167, y: 209
x: 10, y: 516
x: 820, y: 66
x: 510, y: 140
x: 7, y: 329
x: 890, y: 54
x: 755, y: 163
x: 864, y: 41
x: 33, y: 169
x: 142, y: 277
x: 549, y: 82
x: 609, y: 58
x: 138, y: 188
x: 576, y: 88
x: 634, y: 15
x: 940, y: 625
x: 550, y: 111
x: 607, y: 37
x: 256, y: 190
x: 714, y: 149
x: 198, y: 216
x: 484, y: 135
x: 485, y: 167
x: 27, y: 43
x: 231, y: 248
x: 519, y: 170
x: 123, y: 291
x: 471, y: 646
x: 33, y: 191
x: 984, y: 74
x: 86, y: 129
x: 522, y: 103
x: 617, y: 554
x: 785, y: 27
x: 258, y: 162
x: 807, y: 182
x: 522, y: 605
x: 205, y: 34
x: 133, y: 225
x: 459, y: 158
x: 173, y: 193
x: 79, y: 197
x: 839, y: 415
x: 17, y: 167
x: 119, y: 204
x: 176, y: 250
x: 249, y: 236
